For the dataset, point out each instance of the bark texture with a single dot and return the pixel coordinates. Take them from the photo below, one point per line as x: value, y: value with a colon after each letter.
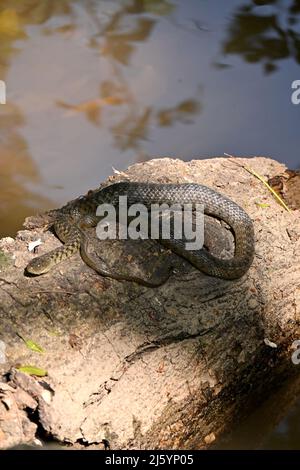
x: 167, y: 367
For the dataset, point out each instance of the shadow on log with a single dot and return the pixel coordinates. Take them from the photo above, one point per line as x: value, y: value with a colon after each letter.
x: 137, y: 367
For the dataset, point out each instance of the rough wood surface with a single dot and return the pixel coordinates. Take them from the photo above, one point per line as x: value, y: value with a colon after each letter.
x: 167, y: 367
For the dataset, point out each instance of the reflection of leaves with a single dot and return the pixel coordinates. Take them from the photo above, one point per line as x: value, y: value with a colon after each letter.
x: 117, y: 41
x: 118, y: 45
x: 248, y: 37
x: 92, y: 108
x: 262, y: 38
x: 158, y: 7
x: 17, y: 167
x: 295, y: 7
x: 117, y: 37
x: 131, y: 130
x: 9, y: 117
x: 269, y: 67
x: 16, y: 15
x: 264, y: 2
x: 118, y: 50
x: 17, y: 201
x: 10, y: 24
x: 182, y: 112
x: 295, y: 40
x: 109, y: 88
x: 38, y: 12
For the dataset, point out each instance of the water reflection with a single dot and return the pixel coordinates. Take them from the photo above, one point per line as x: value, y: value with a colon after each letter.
x: 93, y: 85
x: 116, y: 42
x: 17, y: 168
x: 274, y: 424
x: 265, y: 35
x: 91, y: 76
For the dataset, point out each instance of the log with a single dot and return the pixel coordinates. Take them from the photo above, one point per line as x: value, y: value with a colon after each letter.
x: 134, y: 367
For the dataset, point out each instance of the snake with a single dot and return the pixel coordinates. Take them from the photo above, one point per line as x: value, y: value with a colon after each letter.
x: 72, y: 219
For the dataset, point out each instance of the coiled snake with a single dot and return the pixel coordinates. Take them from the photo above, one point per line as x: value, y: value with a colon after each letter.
x: 76, y: 215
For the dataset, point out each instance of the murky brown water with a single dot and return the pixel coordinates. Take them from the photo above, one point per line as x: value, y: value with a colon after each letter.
x: 93, y: 85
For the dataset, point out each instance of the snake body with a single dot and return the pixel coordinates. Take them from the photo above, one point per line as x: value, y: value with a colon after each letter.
x: 76, y: 215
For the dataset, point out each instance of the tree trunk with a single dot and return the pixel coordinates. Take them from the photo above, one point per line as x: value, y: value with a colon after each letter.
x: 138, y: 367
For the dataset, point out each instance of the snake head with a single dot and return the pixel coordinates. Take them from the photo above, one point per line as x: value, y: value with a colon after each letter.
x: 39, y: 265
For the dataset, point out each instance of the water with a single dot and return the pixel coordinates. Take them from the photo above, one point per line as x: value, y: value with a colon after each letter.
x: 93, y: 85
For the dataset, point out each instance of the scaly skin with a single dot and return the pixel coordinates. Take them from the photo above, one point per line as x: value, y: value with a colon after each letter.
x: 77, y: 214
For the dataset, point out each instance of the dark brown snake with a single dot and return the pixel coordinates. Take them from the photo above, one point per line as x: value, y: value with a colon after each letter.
x: 76, y: 215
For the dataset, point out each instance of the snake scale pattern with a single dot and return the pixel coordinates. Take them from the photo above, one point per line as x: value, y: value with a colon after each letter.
x: 75, y: 216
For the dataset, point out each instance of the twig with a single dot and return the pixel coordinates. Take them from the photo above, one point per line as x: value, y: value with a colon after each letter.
x: 253, y: 172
